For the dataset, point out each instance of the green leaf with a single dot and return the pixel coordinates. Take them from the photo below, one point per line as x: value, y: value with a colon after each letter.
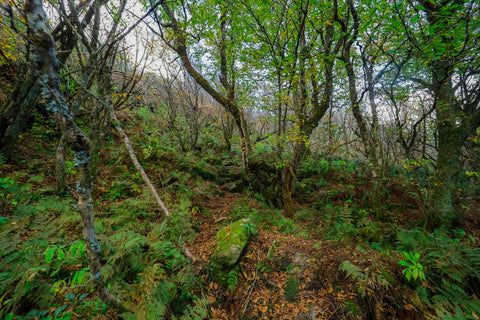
x: 83, y: 296
x: 415, y: 274
x: 49, y: 252
x: 70, y: 296
x: 408, y: 274
x: 61, y: 254
x: 403, y: 263
x: 59, y: 310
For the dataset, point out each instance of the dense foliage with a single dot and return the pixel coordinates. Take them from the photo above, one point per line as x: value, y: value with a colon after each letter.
x: 346, y: 134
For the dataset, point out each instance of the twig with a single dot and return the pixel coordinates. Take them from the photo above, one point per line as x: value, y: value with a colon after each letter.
x: 220, y: 219
x: 189, y: 254
x: 250, y: 289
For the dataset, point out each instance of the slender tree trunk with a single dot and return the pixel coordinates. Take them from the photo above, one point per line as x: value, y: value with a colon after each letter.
x: 98, y: 134
x: 135, y: 161
x: 227, y: 101
x: 368, y: 143
x: 370, y: 138
x: 46, y: 64
x: 60, y: 167
x: 376, y: 154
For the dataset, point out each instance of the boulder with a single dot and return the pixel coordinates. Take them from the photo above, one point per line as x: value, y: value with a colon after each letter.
x: 230, y: 243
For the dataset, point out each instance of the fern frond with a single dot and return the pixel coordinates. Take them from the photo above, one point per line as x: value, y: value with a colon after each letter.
x: 351, y: 270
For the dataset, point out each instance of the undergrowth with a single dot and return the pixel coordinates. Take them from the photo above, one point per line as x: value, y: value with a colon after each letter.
x: 392, y: 268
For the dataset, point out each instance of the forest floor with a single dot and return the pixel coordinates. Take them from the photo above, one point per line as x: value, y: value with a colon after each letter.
x: 293, y: 267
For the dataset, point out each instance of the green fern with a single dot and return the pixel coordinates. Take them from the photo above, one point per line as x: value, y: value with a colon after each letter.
x: 452, y: 270
x: 341, y: 224
x: 368, y: 281
x: 197, y: 311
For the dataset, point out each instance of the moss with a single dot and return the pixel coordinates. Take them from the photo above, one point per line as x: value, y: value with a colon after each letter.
x: 204, y: 171
x: 369, y: 233
x: 230, y: 243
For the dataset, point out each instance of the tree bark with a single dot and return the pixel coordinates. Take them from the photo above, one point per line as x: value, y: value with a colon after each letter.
x: 458, y: 116
x: 60, y: 167
x: 46, y: 64
x: 447, y: 210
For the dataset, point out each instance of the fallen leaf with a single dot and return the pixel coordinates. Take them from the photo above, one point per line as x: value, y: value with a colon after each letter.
x: 409, y: 307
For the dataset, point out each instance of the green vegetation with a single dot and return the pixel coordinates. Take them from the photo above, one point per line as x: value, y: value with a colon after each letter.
x: 300, y: 159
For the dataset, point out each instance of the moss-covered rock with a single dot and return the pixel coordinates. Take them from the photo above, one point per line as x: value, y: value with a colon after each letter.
x: 230, y: 243
x: 205, y: 171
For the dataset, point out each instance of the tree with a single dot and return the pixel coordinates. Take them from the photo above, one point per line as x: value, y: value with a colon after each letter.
x: 179, y: 40
x: 18, y: 109
x: 46, y: 65
x: 445, y: 38
x: 360, y: 33
x: 293, y: 61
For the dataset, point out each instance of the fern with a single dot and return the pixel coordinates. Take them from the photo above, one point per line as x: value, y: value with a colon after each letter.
x: 367, y: 282
x: 452, y: 272
x: 351, y: 269
x: 342, y: 224
x: 197, y: 311
x: 423, y: 294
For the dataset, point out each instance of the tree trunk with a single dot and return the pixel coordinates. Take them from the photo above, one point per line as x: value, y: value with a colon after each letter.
x: 100, y: 128
x: 60, y: 167
x: 135, y: 161
x: 227, y: 102
x: 46, y: 64
x: 16, y: 116
x: 451, y: 137
x: 370, y: 138
x: 289, y: 176
x: 447, y: 211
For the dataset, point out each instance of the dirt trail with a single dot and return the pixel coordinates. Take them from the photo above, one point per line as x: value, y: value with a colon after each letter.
x: 279, y: 276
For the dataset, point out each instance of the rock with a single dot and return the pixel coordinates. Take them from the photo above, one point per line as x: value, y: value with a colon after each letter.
x: 205, y: 171
x: 234, y: 186
x: 299, y: 262
x: 230, y: 243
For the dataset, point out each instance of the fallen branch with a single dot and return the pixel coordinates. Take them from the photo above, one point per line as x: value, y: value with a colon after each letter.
x: 118, y: 126
x: 244, y: 305
x: 135, y: 161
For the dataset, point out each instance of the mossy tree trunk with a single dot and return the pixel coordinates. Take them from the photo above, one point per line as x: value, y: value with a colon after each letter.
x: 453, y: 66
x: 46, y: 65
x: 447, y: 210
x: 453, y: 129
